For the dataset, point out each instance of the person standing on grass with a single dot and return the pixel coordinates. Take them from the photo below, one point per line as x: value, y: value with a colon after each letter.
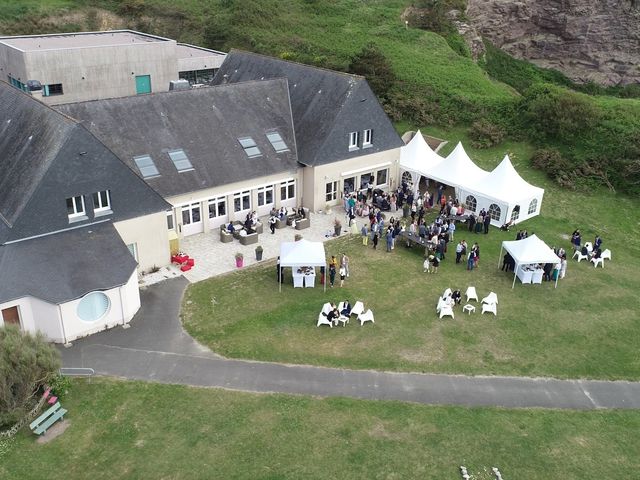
x: 343, y: 275
x: 459, y: 249
x: 426, y: 266
x: 332, y: 274
x: 365, y: 234
x: 563, y: 266
x: 487, y: 222
x: 389, y: 238
x: 344, y: 262
x: 375, y: 240
x: 435, y: 263
x: 470, y: 259
x: 476, y: 254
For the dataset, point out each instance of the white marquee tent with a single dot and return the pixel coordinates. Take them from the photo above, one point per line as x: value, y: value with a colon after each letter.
x: 302, y: 253
x: 417, y: 158
x: 504, y: 194
x: 457, y: 170
x: 530, y: 250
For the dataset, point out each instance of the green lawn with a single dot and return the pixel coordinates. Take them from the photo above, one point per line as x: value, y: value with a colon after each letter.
x: 125, y: 430
x: 586, y: 328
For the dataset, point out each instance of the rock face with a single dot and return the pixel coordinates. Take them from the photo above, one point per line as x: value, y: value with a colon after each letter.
x: 587, y: 40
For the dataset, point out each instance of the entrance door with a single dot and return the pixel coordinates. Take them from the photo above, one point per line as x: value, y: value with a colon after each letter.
x: 11, y: 316
x: 191, y: 219
x: 143, y: 84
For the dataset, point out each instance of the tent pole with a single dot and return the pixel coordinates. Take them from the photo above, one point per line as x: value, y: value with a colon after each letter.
x: 557, y: 277
x: 280, y: 278
x: 500, y: 256
x: 515, y: 271
x: 325, y: 277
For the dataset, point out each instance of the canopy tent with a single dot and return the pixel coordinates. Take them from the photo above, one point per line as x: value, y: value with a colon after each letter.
x: 302, y: 253
x: 504, y: 194
x: 417, y: 158
x: 457, y: 170
x: 529, y: 250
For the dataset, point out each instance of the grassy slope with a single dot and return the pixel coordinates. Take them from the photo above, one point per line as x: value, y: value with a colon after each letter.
x: 123, y: 430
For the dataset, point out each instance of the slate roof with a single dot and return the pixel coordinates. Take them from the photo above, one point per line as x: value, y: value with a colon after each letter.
x: 326, y: 105
x: 206, y: 123
x: 31, y: 135
x: 63, y: 267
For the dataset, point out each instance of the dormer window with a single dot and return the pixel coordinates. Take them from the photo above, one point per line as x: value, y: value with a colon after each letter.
x: 250, y: 147
x: 354, y: 140
x: 102, y: 202
x: 367, y: 138
x: 75, y: 208
x: 277, y: 142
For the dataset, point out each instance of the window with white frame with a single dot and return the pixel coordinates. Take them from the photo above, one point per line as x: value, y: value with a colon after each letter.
x: 367, y: 180
x: 242, y: 201
x: 533, y: 206
x: 367, y: 138
x: 191, y: 214
x: 75, y: 207
x: 495, y: 212
x: 265, y: 195
x: 331, y: 191
x: 277, y: 142
x: 102, y: 202
x: 354, y: 140
x: 170, y: 223
x: 471, y: 203
x: 217, y: 207
x: 515, y: 213
x: 250, y: 147
x: 381, y: 176
x: 288, y: 190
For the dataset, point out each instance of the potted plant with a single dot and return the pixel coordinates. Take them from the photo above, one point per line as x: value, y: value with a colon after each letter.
x: 259, y: 253
x: 337, y: 226
x: 239, y: 259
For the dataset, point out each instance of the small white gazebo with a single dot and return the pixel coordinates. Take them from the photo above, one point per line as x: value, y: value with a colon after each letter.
x: 302, y: 253
x: 528, y: 251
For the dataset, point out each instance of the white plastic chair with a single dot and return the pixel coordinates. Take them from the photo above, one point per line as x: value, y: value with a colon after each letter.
x: 581, y: 256
x: 491, y: 298
x: 366, y: 317
x: 597, y: 261
x: 441, y: 304
x: 322, y: 317
x: 490, y: 307
x: 471, y: 293
x: 447, y: 293
x: 606, y: 254
x: 357, y: 309
x: 447, y: 310
x: 589, y: 247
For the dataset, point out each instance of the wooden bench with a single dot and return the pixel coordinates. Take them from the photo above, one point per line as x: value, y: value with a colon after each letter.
x: 48, y: 418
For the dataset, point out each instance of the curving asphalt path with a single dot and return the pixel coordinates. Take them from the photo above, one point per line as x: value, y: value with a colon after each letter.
x: 156, y: 348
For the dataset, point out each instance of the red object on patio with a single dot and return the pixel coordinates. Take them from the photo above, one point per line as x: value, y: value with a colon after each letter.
x: 179, y: 259
x: 191, y: 262
x: 185, y: 268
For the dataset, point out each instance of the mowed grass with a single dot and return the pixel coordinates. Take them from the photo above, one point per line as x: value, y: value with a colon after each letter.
x: 125, y: 430
x: 588, y: 327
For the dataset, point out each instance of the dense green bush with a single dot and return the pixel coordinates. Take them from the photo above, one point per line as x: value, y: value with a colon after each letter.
x: 371, y: 63
x: 27, y: 363
x: 485, y: 134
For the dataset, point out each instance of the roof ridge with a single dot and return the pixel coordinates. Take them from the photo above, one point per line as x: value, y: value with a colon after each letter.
x: 328, y: 70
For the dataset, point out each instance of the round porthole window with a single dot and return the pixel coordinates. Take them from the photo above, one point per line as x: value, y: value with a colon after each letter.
x: 93, y: 307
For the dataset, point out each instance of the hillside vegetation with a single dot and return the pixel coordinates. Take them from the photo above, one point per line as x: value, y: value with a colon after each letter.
x: 428, y: 77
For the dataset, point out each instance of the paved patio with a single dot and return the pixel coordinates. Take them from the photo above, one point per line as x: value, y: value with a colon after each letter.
x: 214, y: 257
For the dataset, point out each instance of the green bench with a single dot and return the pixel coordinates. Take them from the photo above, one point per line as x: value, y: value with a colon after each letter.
x: 48, y: 418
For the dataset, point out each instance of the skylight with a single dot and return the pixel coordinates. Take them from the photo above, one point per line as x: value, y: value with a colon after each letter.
x: 250, y: 147
x: 277, y: 142
x: 146, y: 166
x: 180, y: 160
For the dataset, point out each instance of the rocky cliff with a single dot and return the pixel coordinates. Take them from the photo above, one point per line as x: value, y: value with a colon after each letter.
x: 587, y: 40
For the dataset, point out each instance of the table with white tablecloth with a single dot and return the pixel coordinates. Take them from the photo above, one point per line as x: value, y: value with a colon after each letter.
x: 530, y: 273
x: 304, y: 277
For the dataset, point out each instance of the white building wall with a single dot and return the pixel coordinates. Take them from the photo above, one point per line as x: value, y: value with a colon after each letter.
x: 318, y: 177
x: 93, y: 73
x: 202, y: 197
x: 150, y: 235
x: 36, y: 314
x: 124, y: 302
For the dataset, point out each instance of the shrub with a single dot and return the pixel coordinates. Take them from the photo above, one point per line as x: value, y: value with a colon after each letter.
x: 27, y: 364
x: 371, y: 63
x: 485, y: 134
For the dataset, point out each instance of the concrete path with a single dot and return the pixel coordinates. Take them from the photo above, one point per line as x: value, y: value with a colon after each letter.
x: 156, y: 348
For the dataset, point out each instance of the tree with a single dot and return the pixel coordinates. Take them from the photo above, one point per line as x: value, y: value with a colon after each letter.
x: 371, y: 63
x: 27, y: 363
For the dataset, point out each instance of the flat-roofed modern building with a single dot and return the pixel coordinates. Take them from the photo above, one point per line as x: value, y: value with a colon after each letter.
x: 77, y: 67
